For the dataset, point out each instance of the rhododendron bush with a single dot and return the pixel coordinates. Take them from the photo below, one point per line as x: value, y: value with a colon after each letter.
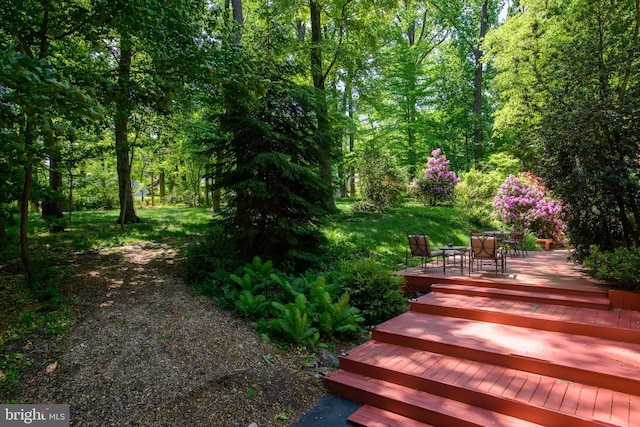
x: 521, y: 204
x: 436, y: 182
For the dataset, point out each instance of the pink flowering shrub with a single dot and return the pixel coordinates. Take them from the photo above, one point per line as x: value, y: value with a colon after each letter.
x: 521, y: 204
x: 436, y: 182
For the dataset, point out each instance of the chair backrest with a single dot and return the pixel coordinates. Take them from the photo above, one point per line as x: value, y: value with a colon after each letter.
x: 419, y: 245
x: 484, y: 247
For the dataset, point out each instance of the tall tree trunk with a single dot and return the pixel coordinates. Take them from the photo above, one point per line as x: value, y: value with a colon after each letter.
x: 52, y: 205
x: 324, y: 127
x: 27, y: 262
x: 163, y: 186
x: 123, y: 111
x: 153, y: 194
x: 236, y: 5
x: 477, y: 80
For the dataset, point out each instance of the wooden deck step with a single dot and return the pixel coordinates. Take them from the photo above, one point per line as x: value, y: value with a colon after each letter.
x: 583, y: 359
x: 370, y: 416
x: 535, y: 295
x: 529, y: 396
x: 416, y: 404
x: 616, y: 324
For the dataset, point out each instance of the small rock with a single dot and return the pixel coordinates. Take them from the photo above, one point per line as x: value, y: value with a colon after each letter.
x: 327, y: 359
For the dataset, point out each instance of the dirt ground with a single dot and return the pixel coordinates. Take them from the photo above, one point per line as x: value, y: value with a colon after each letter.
x: 148, y: 352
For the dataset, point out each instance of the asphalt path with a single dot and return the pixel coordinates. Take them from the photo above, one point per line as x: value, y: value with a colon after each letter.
x: 331, y: 411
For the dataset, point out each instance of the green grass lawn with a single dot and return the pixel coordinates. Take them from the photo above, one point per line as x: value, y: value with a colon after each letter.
x: 386, y: 234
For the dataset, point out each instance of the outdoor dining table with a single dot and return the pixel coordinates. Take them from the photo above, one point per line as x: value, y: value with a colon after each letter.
x: 453, y: 251
x: 498, y: 234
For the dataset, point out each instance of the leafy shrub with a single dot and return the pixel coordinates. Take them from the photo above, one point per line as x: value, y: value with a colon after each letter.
x: 294, y: 323
x: 436, y: 182
x: 381, y: 179
x: 474, y: 197
x: 521, y: 203
x: 475, y: 193
x: 619, y: 267
x: 299, y: 310
x: 364, y: 207
x: 374, y: 290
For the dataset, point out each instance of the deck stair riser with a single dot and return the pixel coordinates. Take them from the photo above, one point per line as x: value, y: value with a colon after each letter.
x: 371, y: 416
x: 547, y: 353
x: 427, y: 281
x: 479, y: 352
x: 534, y: 315
x: 453, y: 386
x: 535, y: 295
x: 424, y: 407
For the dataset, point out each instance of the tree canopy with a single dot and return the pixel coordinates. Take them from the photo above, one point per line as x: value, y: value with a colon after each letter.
x: 222, y: 102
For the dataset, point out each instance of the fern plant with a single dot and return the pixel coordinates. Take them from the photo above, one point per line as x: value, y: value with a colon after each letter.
x: 340, y: 317
x: 252, y: 306
x: 294, y: 324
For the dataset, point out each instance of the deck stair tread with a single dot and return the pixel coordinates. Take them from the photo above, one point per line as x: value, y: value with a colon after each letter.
x: 539, y: 345
x: 572, y: 357
x: 525, y: 294
x: 371, y: 416
x: 618, y: 324
x: 420, y: 405
x: 515, y: 392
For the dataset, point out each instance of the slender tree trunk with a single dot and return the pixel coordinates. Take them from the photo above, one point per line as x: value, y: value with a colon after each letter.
x: 477, y: 92
x: 324, y: 126
x: 217, y: 191
x: 123, y: 110
x: 153, y: 194
x: 70, y: 200
x: 27, y: 262
x: 236, y: 5
x: 163, y: 186
x: 51, y: 205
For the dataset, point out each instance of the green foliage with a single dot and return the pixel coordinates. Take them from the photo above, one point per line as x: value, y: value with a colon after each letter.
x: 294, y: 323
x: 339, y: 317
x: 272, y: 152
x: 374, y: 290
x: 478, y: 188
x: 619, y: 267
x: 208, y: 259
x: 570, y: 79
x: 364, y: 207
x: 295, y: 309
x: 381, y: 180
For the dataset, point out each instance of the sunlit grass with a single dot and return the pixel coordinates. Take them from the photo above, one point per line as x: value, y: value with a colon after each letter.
x: 386, y: 234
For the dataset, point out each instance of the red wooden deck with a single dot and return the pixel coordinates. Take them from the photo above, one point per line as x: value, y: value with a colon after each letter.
x: 506, y: 352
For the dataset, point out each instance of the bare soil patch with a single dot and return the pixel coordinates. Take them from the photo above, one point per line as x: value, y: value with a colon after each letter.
x: 147, y: 352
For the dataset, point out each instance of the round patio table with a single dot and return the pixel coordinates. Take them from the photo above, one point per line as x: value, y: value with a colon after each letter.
x: 453, y: 251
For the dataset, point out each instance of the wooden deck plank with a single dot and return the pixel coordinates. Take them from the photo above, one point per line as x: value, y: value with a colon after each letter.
x: 515, y: 386
x: 587, y: 401
x: 541, y: 394
x: 502, y: 384
x: 424, y: 406
x: 603, y: 406
x: 370, y: 416
x: 528, y: 388
x: 571, y: 398
x: 560, y: 361
x: 556, y: 395
x: 620, y: 409
x: 619, y: 361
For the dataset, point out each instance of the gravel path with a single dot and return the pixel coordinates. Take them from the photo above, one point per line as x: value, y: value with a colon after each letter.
x: 147, y: 352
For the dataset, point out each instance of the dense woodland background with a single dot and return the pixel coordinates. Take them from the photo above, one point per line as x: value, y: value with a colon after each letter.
x: 269, y: 110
